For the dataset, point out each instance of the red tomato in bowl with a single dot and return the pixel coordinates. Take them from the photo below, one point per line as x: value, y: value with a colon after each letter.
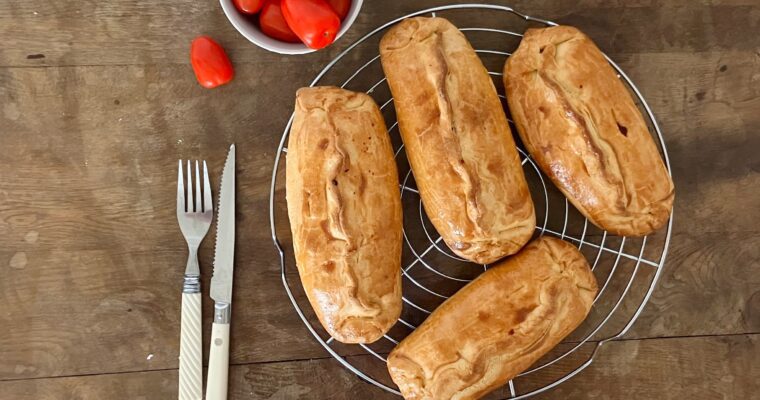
x: 248, y: 6
x: 314, y: 21
x: 210, y: 63
x: 273, y: 24
x: 340, y: 7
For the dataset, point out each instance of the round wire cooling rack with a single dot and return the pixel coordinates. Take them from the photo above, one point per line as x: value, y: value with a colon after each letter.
x: 626, y: 268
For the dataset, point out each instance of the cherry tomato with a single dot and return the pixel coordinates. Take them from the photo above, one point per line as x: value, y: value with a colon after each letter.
x: 273, y: 24
x: 314, y: 21
x: 340, y: 7
x: 248, y: 6
x: 210, y: 63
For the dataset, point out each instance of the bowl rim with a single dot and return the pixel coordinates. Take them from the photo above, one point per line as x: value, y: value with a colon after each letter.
x: 254, y: 35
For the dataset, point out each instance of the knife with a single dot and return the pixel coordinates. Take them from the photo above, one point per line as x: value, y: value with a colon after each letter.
x: 221, y: 284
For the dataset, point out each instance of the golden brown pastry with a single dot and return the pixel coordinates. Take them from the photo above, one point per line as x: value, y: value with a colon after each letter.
x: 345, y: 212
x: 457, y: 140
x: 580, y: 124
x: 497, y: 326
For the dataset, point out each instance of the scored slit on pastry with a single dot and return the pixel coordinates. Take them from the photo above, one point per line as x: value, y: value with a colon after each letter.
x: 583, y: 129
x: 457, y: 140
x: 344, y: 208
x: 498, y: 325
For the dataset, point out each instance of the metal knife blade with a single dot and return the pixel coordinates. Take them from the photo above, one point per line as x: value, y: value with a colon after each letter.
x: 221, y: 280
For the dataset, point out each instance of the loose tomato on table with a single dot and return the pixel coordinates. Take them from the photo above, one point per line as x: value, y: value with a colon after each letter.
x: 340, y: 7
x: 210, y: 63
x: 314, y: 21
x: 273, y: 24
x: 248, y: 6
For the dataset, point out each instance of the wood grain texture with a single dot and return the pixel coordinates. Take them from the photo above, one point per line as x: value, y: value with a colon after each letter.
x: 160, y: 118
x: 679, y: 368
x: 140, y: 32
x: 44, y: 321
x: 97, y: 102
x: 695, y: 368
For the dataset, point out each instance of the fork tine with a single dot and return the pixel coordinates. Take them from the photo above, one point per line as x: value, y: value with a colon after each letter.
x: 208, y: 204
x: 190, y: 201
x: 180, y: 190
x: 198, y: 206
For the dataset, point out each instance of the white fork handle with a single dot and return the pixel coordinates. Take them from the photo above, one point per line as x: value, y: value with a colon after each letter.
x: 191, y: 349
x: 218, y: 362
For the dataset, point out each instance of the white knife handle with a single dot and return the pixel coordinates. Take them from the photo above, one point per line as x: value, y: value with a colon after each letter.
x: 190, y: 349
x: 219, y: 355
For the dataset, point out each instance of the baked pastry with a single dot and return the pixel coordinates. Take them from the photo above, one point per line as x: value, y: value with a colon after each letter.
x: 580, y: 124
x: 344, y: 207
x: 457, y: 139
x: 497, y: 326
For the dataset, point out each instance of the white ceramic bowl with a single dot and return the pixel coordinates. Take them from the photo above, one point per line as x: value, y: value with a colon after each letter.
x: 248, y: 28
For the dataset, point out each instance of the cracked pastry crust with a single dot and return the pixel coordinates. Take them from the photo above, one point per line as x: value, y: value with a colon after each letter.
x: 497, y: 326
x: 345, y: 212
x: 580, y: 124
x: 457, y: 139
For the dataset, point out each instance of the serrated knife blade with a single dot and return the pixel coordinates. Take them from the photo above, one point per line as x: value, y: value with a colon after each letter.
x: 221, y: 284
x: 221, y: 280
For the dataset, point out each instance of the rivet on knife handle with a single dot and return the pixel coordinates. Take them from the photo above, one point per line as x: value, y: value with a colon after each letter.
x: 218, y: 361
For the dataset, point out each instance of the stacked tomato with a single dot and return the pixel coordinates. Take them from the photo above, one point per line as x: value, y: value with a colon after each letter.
x: 313, y: 22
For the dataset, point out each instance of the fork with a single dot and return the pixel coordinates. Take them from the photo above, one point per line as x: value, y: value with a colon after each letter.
x: 194, y: 221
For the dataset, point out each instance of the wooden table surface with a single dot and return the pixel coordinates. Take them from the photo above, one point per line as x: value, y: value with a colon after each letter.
x: 98, y: 101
